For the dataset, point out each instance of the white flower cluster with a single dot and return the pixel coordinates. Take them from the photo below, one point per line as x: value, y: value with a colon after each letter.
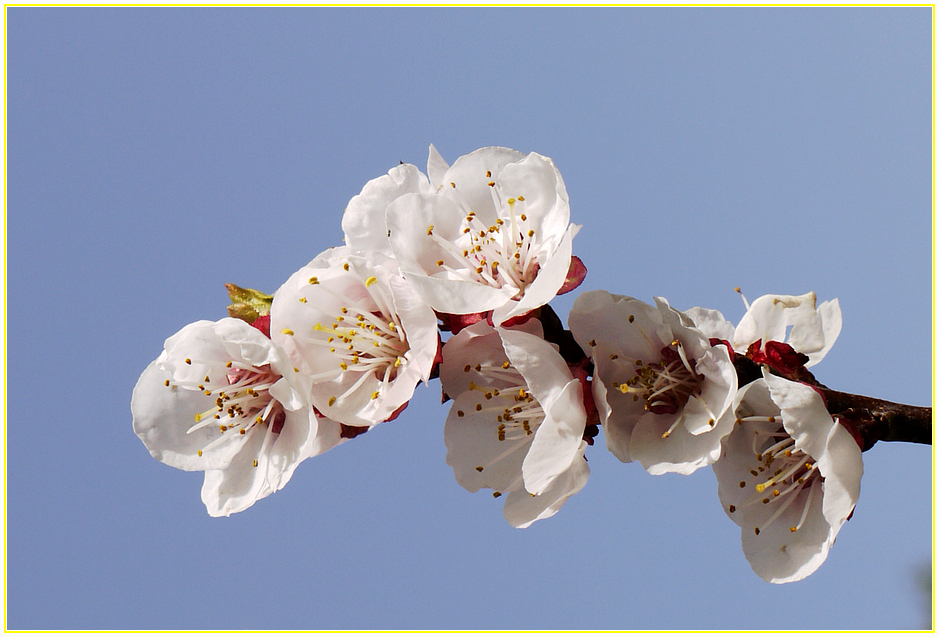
x: 478, y: 249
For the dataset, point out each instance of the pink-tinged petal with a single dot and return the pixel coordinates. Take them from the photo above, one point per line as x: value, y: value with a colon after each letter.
x: 421, y: 324
x: 264, y: 465
x: 410, y: 220
x: 775, y: 556
x: 838, y: 455
x: 842, y: 467
x: 364, y: 219
x: 237, y: 487
x: 682, y: 452
x: 539, y: 363
x: 618, y: 411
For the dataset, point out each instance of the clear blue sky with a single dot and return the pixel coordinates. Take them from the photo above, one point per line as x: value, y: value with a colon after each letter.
x: 155, y: 154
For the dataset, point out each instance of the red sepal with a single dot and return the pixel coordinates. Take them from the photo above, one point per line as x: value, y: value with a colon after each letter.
x: 575, y: 275
x: 263, y: 323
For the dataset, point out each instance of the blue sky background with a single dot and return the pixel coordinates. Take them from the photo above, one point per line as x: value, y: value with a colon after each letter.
x: 155, y: 154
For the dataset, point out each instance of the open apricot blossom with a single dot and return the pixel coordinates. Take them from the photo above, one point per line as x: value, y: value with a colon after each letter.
x: 476, y: 251
x: 495, y: 235
x: 356, y: 328
x: 517, y: 422
x: 224, y: 399
x: 661, y: 388
x: 789, y: 475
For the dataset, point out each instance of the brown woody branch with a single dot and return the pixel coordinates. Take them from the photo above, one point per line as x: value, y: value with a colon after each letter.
x: 868, y: 419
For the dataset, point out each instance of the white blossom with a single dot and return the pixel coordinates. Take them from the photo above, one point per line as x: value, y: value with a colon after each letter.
x: 661, y: 389
x: 354, y: 325
x: 517, y: 422
x: 494, y: 236
x: 789, y: 475
x: 224, y: 399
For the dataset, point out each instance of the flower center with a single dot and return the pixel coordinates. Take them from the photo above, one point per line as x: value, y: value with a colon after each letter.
x: 497, y: 255
x: 514, y: 412
x: 664, y: 385
x: 365, y: 338
x: 788, y: 475
x: 242, y: 400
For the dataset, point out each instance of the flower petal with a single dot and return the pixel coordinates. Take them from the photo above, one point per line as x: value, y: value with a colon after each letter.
x: 363, y: 221
x: 522, y: 509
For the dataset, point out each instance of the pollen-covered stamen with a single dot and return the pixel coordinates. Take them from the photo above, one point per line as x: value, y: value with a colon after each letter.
x: 514, y: 412
x: 366, y: 340
x: 242, y: 401
x: 496, y: 255
x: 788, y: 475
x: 665, y: 385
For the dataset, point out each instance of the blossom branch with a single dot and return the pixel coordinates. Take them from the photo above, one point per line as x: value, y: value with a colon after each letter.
x: 875, y: 419
x: 869, y: 419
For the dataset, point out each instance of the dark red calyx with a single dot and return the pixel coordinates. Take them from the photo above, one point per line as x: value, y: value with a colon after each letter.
x: 591, y: 432
x: 263, y: 323
x: 351, y: 431
x: 456, y: 322
x: 580, y: 372
x: 725, y: 343
x: 278, y: 423
x: 515, y: 320
x: 396, y: 412
x: 781, y: 357
x: 575, y: 275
